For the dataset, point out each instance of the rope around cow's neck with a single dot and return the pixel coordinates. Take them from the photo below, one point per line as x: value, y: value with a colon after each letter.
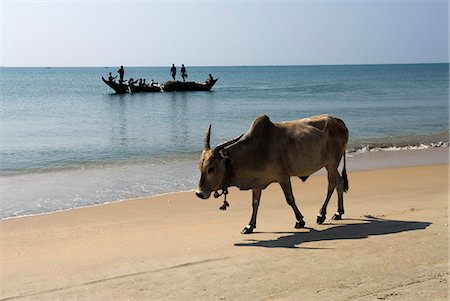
x: 225, y: 183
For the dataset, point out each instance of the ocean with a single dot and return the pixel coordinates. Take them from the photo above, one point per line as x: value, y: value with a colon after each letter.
x: 67, y: 141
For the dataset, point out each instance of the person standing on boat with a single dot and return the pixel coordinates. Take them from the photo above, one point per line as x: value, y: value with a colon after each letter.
x: 173, y: 71
x: 183, y: 72
x: 121, y: 72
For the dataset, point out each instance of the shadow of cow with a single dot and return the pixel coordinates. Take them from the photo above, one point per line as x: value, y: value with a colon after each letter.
x: 370, y: 226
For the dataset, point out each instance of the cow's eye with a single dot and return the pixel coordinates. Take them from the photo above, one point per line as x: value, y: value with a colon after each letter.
x: 211, y: 169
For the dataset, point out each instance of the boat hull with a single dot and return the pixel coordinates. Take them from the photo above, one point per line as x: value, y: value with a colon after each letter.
x: 123, y: 88
x: 172, y: 86
x: 137, y: 89
x: 118, y: 88
x: 169, y: 86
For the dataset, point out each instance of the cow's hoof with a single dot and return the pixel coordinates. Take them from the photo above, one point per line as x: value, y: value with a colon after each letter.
x: 299, y: 224
x: 247, y: 230
x: 337, y: 216
x: 320, y: 219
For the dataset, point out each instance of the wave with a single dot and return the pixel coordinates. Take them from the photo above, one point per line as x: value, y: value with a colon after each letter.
x: 368, y: 148
x: 398, y: 143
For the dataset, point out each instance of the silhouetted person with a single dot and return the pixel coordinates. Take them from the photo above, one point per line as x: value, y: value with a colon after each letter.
x: 131, y: 82
x: 210, y: 78
x: 111, y: 78
x: 121, y: 72
x: 183, y: 72
x: 173, y: 71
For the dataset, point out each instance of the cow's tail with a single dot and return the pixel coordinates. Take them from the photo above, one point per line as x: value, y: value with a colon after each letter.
x: 344, y: 175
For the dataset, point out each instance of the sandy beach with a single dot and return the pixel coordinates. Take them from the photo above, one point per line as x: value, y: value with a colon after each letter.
x: 391, y: 245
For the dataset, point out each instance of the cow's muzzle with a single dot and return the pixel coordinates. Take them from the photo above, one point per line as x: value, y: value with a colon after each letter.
x: 202, y: 195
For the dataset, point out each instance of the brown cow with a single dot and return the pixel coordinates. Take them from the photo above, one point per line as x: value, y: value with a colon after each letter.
x: 273, y: 152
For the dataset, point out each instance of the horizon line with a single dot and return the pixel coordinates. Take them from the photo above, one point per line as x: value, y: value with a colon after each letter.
x: 243, y: 65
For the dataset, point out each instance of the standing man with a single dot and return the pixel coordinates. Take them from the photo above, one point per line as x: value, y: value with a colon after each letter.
x: 173, y: 71
x: 183, y: 72
x: 121, y: 72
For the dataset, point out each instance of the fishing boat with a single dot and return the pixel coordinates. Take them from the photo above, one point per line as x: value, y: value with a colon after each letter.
x: 121, y: 88
x: 169, y: 86
x: 172, y: 86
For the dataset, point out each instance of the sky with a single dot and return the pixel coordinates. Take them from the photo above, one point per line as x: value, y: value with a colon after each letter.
x: 222, y: 33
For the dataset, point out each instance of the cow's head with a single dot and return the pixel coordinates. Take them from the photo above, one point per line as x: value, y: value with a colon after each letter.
x: 212, y: 167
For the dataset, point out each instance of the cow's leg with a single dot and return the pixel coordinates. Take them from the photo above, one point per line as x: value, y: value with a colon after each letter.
x: 333, y: 176
x: 340, y: 191
x: 256, y: 195
x: 287, y: 189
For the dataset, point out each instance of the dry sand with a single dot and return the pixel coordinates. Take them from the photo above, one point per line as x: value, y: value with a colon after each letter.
x: 392, y: 245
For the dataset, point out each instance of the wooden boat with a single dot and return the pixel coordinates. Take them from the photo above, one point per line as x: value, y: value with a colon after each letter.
x: 124, y: 88
x: 172, y: 86
x: 118, y: 88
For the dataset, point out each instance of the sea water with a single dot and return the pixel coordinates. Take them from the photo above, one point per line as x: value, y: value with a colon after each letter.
x: 68, y: 141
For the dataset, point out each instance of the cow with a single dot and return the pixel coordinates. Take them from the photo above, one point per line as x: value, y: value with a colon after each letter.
x: 274, y: 152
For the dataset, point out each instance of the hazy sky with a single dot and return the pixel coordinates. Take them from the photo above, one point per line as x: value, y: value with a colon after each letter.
x: 206, y: 33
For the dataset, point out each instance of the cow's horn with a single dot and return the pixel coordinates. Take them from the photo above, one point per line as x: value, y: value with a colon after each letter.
x: 208, y: 138
x: 225, y: 144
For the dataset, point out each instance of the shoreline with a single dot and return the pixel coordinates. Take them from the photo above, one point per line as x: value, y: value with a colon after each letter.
x: 372, y: 160
x: 392, y: 242
x: 363, y: 149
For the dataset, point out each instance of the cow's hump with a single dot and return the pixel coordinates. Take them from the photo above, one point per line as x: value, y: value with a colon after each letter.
x: 259, y: 130
x: 260, y: 125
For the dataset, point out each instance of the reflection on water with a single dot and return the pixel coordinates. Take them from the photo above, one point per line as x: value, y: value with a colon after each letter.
x: 179, y: 115
x: 118, y: 120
